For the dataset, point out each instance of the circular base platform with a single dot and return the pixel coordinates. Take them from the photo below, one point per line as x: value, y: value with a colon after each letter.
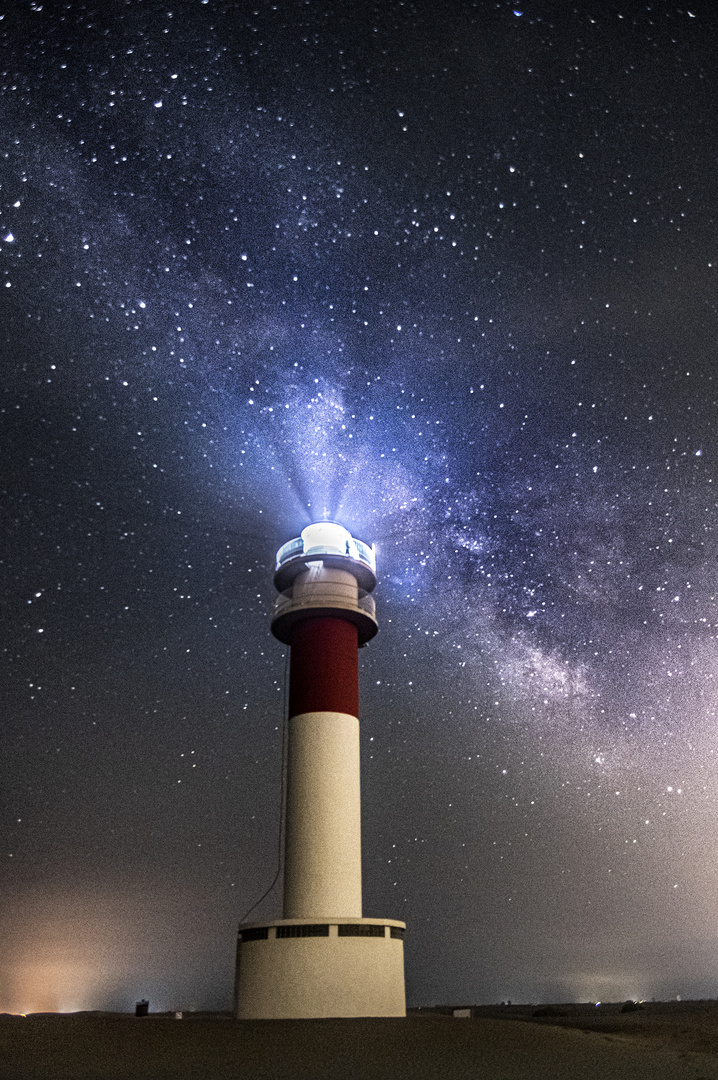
x: 301, y: 969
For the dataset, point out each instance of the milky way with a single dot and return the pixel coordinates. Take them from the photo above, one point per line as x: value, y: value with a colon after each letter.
x: 448, y: 277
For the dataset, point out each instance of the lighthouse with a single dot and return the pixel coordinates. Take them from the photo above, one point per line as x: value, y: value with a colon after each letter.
x: 322, y: 958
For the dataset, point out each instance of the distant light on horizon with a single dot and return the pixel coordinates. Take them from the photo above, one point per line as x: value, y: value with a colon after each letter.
x: 58, y: 986
x: 104, y: 951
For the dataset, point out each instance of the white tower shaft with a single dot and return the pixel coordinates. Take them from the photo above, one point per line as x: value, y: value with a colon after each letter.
x: 322, y: 873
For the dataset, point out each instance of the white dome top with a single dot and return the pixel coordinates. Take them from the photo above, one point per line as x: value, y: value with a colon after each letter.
x: 326, y: 538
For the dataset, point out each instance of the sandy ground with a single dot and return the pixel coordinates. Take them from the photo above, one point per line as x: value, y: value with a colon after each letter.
x: 658, y: 1043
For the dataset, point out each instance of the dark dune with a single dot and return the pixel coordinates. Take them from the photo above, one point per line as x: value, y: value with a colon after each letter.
x: 658, y: 1043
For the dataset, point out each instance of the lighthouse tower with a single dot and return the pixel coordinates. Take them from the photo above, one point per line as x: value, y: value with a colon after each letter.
x: 322, y: 958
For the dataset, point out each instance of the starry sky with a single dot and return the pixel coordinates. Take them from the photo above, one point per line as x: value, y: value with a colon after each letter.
x: 446, y: 274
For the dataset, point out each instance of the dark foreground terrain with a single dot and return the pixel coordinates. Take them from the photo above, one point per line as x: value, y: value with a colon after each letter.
x: 668, y: 1041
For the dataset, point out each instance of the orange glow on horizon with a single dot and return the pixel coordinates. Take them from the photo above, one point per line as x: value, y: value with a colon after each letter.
x: 51, y: 986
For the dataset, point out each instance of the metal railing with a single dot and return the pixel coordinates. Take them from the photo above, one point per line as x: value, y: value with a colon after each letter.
x: 355, y: 549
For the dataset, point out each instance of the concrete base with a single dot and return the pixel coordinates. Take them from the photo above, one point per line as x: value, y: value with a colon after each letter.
x: 339, y: 967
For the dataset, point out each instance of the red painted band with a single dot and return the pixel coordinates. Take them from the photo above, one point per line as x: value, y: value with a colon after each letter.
x: 324, y: 667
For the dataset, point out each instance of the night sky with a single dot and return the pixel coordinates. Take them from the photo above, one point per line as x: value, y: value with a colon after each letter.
x: 446, y: 274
